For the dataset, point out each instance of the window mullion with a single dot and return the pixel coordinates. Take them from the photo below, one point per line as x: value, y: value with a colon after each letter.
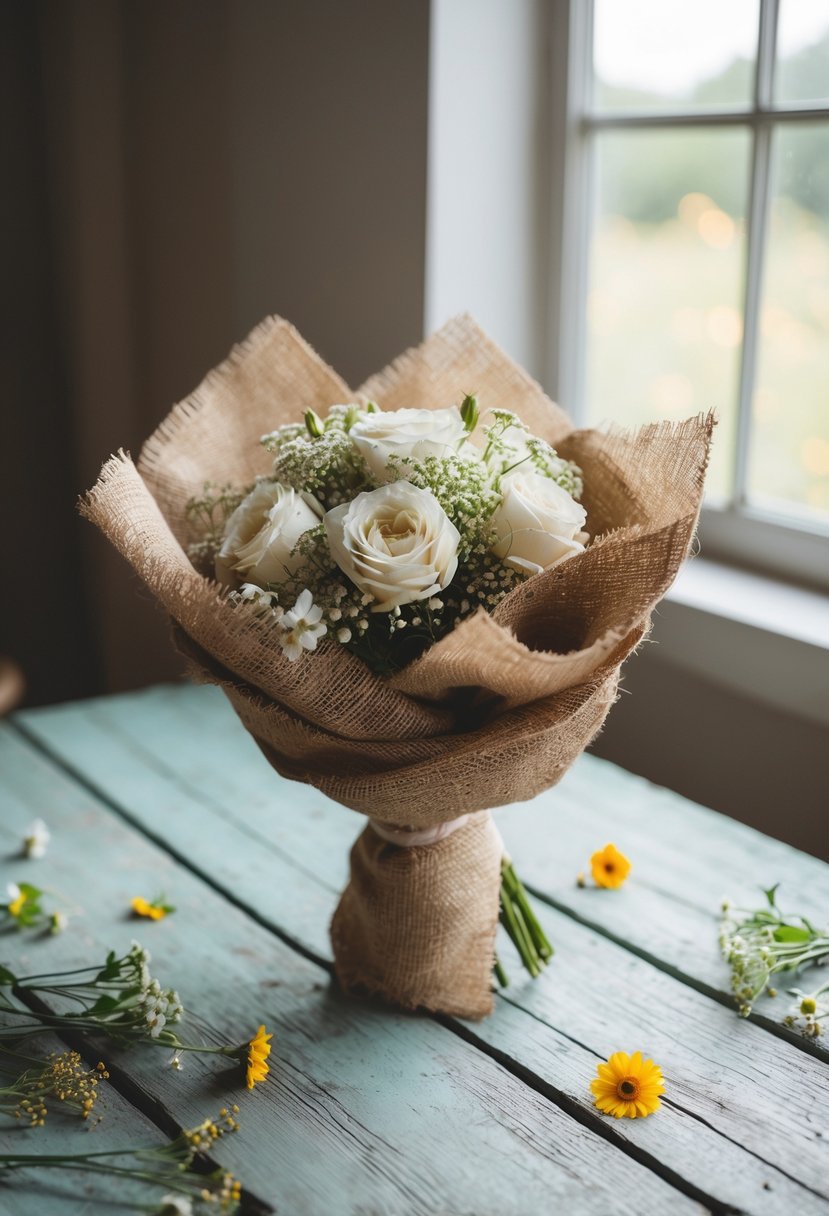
x: 573, y: 163
x: 758, y: 218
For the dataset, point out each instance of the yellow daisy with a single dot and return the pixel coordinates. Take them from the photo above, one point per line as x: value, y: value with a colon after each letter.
x: 153, y: 911
x: 259, y: 1049
x: 628, y: 1086
x: 610, y: 868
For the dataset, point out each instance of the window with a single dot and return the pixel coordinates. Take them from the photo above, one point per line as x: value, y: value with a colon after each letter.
x: 695, y: 250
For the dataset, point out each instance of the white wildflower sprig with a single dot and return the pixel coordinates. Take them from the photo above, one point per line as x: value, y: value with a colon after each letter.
x: 760, y: 943
x: 120, y: 1001
x: 301, y: 626
x: 808, y: 1010
x: 36, y: 840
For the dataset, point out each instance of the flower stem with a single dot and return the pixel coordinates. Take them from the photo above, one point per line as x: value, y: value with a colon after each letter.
x: 519, y: 896
x: 521, y: 924
x: 500, y: 974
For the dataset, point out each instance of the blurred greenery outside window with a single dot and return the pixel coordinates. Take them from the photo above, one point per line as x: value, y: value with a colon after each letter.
x: 703, y: 145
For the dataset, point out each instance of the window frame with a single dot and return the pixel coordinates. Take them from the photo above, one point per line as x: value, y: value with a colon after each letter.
x: 737, y: 532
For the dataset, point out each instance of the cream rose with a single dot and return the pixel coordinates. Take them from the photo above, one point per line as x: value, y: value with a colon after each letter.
x: 397, y: 544
x: 261, y: 534
x: 536, y: 523
x: 408, y: 435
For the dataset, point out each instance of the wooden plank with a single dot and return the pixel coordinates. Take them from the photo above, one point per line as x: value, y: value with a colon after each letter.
x: 366, y: 1110
x: 686, y: 857
x: 726, y: 1123
x: 37, y: 1193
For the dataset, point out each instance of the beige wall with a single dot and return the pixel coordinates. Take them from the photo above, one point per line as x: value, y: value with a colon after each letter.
x: 191, y: 168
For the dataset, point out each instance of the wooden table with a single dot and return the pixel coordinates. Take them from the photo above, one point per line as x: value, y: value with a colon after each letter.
x: 376, y: 1112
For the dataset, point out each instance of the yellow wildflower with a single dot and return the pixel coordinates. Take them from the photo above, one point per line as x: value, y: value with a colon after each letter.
x: 628, y: 1086
x: 609, y: 867
x: 153, y: 911
x: 259, y: 1049
x: 17, y: 899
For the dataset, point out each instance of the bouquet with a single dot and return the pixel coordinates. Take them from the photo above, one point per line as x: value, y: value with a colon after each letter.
x: 417, y: 599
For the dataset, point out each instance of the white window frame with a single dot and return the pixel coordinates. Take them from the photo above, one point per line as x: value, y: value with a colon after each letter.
x: 736, y: 532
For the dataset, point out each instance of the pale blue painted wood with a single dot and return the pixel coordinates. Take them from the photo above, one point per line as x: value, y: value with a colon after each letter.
x: 595, y: 998
x: 114, y: 1124
x: 686, y: 858
x: 366, y: 1110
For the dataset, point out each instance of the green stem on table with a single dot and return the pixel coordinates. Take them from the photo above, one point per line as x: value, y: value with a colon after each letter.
x: 519, y: 896
x: 521, y: 924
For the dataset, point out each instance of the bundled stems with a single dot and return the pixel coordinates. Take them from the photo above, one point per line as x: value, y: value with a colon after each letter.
x: 521, y: 924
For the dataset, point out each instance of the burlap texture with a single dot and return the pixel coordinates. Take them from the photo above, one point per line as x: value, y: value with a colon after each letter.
x: 493, y: 713
x: 417, y: 925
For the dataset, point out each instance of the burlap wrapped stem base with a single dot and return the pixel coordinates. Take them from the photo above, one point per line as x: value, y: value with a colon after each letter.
x: 493, y: 713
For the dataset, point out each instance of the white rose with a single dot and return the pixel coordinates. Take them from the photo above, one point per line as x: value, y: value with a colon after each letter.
x: 397, y: 544
x: 261, y: 534
x: 536, y: 523
x: 408, y: 435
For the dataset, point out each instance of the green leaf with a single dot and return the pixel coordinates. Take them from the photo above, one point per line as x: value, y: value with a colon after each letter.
x: 105, y: 1004
x: 111, y: 969
x: 791, y: 933
x: 6, y: 976
x: 770, y: 894
x: 29, y: 891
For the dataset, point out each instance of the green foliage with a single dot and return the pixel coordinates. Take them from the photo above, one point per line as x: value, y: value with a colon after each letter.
x: 644, y: 174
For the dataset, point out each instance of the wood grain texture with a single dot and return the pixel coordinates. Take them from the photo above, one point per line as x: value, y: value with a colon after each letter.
x: 745, y: 1109
x: 686, y: 857
x: 366, y: 1110
x: 33, y: 1193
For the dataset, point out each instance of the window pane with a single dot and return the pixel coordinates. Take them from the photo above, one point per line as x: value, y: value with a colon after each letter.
x: 649, y: 54
x: 803, y: 51
x: 789, y: 456
x: 664, y: 326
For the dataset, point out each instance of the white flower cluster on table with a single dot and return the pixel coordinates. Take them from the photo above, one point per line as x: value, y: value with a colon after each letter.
x: 382, y: 529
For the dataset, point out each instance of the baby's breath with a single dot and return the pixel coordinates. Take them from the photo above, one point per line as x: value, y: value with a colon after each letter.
x: 326, y: 464
x: 208, y: 514
x: 510, y: 446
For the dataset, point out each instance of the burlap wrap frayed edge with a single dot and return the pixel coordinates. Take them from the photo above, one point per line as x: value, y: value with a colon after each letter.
x: 493, y: 713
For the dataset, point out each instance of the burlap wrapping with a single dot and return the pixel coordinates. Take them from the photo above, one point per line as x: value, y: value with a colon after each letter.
x: 493, y: 713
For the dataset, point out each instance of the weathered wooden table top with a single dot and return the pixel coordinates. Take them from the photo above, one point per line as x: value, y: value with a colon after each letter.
x: 376, y: 1112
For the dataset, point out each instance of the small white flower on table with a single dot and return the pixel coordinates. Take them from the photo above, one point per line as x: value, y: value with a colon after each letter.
x: 37, y: 838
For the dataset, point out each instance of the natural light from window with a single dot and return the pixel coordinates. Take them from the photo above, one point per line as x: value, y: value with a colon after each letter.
x: 666, y: 304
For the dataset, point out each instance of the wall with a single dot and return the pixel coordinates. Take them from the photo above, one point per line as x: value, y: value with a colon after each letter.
x: 731, y: 752
x: 182, y: 170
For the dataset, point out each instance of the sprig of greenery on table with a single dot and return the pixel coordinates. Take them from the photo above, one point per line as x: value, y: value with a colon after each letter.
x: 761, y: 943
x: 119, y: 1000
